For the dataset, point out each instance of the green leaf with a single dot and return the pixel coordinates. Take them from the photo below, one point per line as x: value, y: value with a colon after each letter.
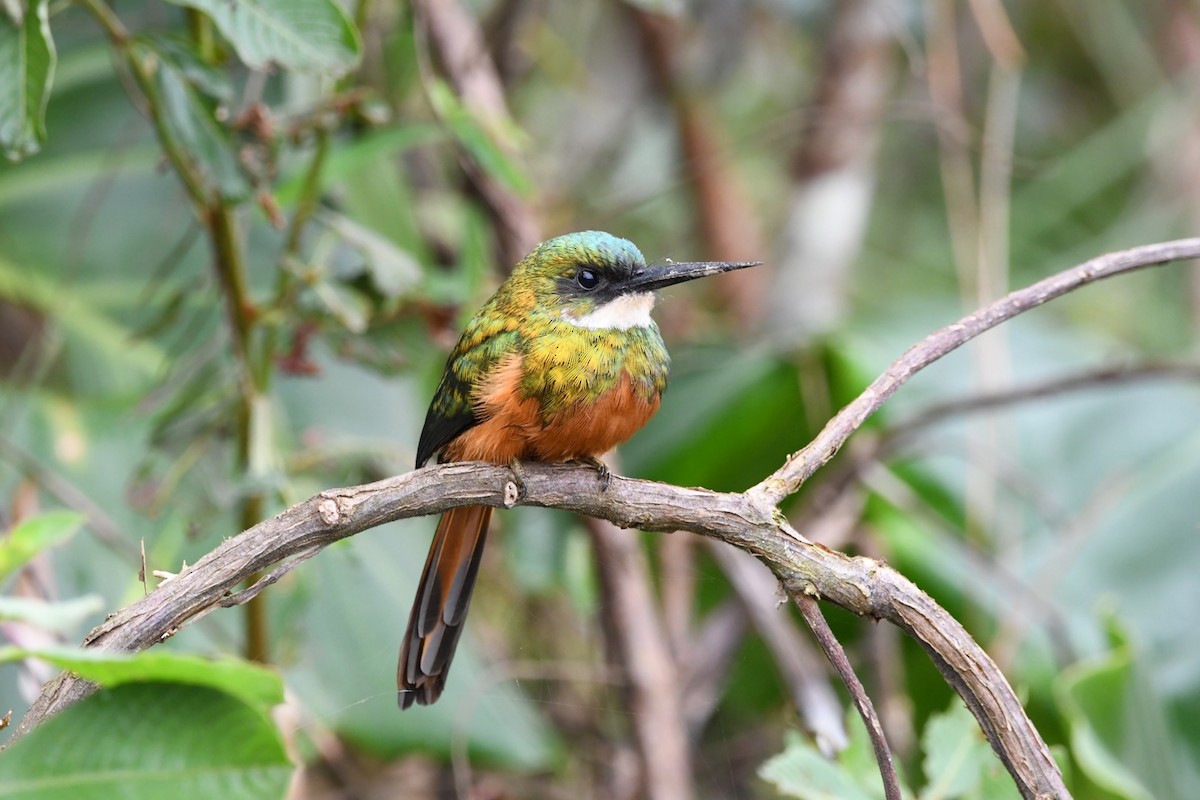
x: 182, y: 88
x: 200, y: 75
x: 801, y: 771
x: 345, y: 304
x: 959, y: 762
x: 1091, y: 700
x: 250, y: 683
x: 27, y: 59
x: 305, y: 35
x: 1118, y: 734
x: 33, y: 536
x: 149, y: 741
x: 61, y: 617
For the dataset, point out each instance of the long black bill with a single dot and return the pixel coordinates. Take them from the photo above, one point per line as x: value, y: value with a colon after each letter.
x: 656, y: 276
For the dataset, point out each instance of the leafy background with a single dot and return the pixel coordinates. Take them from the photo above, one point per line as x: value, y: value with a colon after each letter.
x: 238, y: 238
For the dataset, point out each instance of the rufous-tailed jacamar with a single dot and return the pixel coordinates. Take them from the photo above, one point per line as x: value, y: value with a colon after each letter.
x: 563, y: 363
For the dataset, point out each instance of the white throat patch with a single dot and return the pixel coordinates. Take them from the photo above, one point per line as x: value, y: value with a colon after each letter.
x: 622, y: 313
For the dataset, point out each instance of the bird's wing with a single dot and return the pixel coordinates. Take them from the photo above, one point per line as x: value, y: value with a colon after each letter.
x: 483, y: 344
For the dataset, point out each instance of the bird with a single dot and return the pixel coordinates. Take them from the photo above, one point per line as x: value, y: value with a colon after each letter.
x: 563, y: 363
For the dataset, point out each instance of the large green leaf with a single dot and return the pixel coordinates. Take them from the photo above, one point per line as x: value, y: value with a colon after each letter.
x: 312, y: 35
x: 27, y: 60
x: 250, y: 683
x: 33, y: 536
x: 149, y: 740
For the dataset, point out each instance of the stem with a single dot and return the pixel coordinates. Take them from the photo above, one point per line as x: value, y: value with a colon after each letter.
x: 811, y: 612
x: 230, y: 266
x: 231, y: 275
x: 253, y: 383
x: 200, y: 29
x: 258, y: 642
x: 112, y: 25
x: 306, y: 206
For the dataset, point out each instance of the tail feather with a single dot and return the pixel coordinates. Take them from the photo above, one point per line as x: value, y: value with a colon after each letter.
x: 443, y: 597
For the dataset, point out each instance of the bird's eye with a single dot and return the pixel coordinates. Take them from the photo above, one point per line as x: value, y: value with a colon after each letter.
x: 587, y: 279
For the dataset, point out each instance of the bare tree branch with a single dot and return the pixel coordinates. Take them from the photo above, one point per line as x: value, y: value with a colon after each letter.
x: 1090, y: 379
x: 837, y: 656
x: 803, y: 463
x: 861, y: 585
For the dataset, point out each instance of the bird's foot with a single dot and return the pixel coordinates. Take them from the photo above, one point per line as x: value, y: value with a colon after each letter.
x: 518, y: 473
x: 602, y: 471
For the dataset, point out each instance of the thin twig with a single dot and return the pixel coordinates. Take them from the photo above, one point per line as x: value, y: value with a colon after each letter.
x: 837, y: 482
x: 811, y: 611
x: 251, y: 591
x: 1098, y: 378
x: 803, y: 463
x: 803, y: 672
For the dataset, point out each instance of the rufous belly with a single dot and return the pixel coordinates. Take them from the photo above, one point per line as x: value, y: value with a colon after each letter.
x: 513, y: 427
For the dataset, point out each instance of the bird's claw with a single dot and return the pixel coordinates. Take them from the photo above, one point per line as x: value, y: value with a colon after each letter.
x: 602, y: 471
x: 518, y: 473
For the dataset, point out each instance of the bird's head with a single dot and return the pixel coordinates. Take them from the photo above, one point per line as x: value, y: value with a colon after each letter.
x: 597, y: 280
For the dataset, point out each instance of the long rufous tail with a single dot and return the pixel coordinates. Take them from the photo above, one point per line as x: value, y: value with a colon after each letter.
x: 440, y: 608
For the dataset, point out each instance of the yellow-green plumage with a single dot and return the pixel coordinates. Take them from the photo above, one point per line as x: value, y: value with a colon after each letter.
x: 562, y: 363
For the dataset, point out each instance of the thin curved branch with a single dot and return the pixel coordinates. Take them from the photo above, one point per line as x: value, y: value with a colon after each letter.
x: 838, y: 480
x: 1100, y: 377
x: 803, y: 463
x: 811, y: 610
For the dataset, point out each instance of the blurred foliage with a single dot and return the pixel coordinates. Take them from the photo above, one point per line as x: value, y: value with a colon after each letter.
x: 238, y: 237
x: 957, y: 763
